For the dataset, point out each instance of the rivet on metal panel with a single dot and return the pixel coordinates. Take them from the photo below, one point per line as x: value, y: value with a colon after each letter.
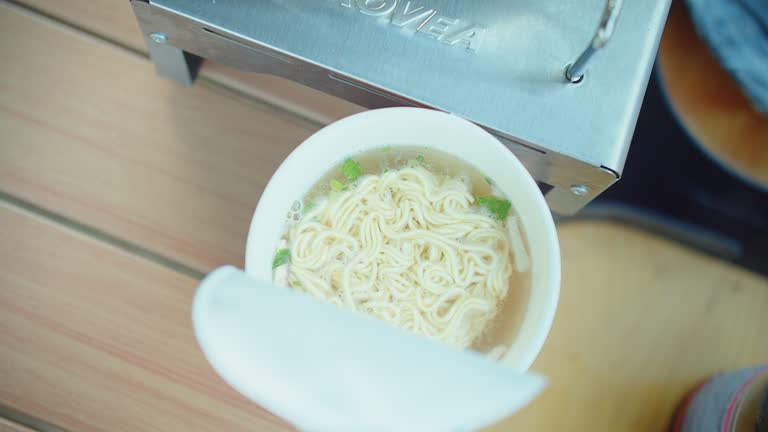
x: 159, y: 38
x: 580, y: 190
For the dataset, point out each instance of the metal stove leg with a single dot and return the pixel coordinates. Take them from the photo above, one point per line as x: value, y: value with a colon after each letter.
x: 172, y: 62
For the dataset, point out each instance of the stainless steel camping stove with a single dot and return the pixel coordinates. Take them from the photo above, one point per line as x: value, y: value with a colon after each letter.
x: 518, y: 68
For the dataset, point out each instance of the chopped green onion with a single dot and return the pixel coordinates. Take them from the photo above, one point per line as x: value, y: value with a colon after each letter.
x: 308, y: 207
x: 497, y: 207
x: 337, y: 185
x: 351, y: 169
x: 418, y: 160
x: 386, y: 148
x: 488, y: 180
x: 283, y: 256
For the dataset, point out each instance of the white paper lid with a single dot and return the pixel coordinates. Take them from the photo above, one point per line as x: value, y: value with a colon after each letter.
x: 323, y: 368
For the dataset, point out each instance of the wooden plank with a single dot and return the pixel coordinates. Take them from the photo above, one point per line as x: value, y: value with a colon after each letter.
x: 106, y: 142
x: 304, y: 101
x: 93, y: 339
x: 10, y: 426
x: 114, y: 20
x: 109, y: 19
x: 641, y: 321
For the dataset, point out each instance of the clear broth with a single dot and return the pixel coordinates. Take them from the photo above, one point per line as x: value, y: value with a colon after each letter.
x: 503, y: 328
x: 391, y: 158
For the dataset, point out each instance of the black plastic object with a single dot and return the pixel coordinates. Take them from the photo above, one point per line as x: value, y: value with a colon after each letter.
x: 671, y: 187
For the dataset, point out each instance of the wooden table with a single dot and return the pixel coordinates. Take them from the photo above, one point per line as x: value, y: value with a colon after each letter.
x: 119, y: 190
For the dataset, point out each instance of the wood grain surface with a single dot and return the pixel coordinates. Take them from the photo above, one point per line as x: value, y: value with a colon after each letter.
x: 114, y: 20
x: 9, y: 426
x: 93, y: 339
x: 641, y: 320
x: 97, y: 338
x: 104, y: 141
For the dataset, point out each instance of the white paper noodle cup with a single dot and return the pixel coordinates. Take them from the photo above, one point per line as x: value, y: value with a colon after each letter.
x: 524, y: 321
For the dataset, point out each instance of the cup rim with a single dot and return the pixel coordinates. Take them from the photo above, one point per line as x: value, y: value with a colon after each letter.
x: 339, y: 138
